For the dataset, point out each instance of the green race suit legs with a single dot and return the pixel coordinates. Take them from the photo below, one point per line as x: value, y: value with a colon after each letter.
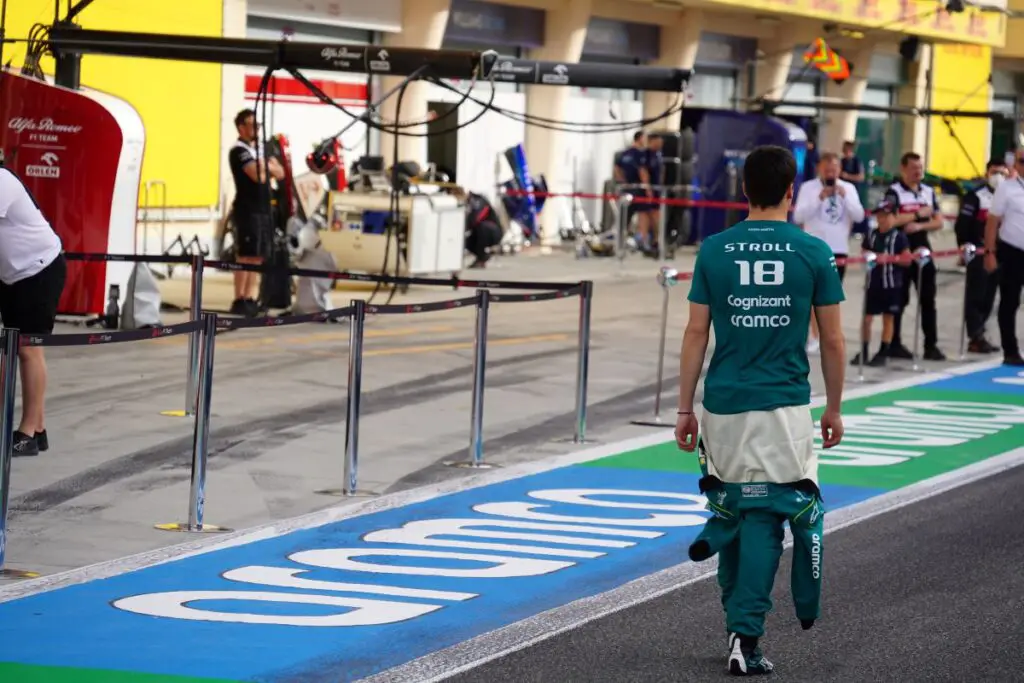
x: 747, y: 532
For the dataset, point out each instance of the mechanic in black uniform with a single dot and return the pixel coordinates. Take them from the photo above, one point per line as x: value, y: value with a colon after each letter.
x: 251, y: 213
x: 918, y: 215
x: 981, y: 284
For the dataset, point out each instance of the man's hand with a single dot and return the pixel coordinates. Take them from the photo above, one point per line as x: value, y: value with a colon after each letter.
x: 840, y: 190
x: 911, y: 228
x: 926, y: 211
x: 686, y: 432
x: 831, y: 428
x: 991, y: 265
x: 827, y: 192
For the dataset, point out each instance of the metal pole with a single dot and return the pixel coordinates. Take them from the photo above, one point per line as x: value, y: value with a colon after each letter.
x: 476, y: 438
x: 583, y: 362
x: 195, y: 312
x: 924, y: 256
x: 620, y: 237
x: 667, y: 278
x: 869, y: 264
x: 201, y: 437
x: 662, y: 223
x: 356, y: 327
x: 969, y: 252
x: 8, y: 386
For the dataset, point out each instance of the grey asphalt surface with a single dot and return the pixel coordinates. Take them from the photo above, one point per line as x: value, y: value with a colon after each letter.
x: 930, y: 592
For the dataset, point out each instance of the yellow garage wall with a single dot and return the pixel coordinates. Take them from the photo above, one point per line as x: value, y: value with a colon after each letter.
x: 180, y: 102
x: 959, y: 71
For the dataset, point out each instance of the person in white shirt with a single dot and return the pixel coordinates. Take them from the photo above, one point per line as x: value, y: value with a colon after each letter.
x: 32, y: 274
x: 1004, y: 250
x: 828, y: 208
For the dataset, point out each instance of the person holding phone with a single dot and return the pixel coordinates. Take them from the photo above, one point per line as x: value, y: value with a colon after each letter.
x: 828, y: 207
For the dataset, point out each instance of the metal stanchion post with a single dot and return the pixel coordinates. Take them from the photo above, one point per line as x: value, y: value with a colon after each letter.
x: 583, y: 362
x: 192, y: 367
x: 923, y: 258
x: 356, y: 332
x: 201, y: 437
x: 476, y: 436
x: 969, y: 252
x: 870, y: 260
x: 8, y: 388
x: 620, y: 238
x: 667, y: 278
x: 662, y: 224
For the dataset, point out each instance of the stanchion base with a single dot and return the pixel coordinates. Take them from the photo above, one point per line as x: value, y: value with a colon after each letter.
x: 652, y: 422
x: 470, y: 465
x: 175, y: 413
x: 17, y: 574
x: 204, y: 529
x: 340, y: 493
x: 573, y: 440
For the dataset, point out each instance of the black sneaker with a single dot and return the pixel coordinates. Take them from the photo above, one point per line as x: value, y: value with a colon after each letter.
x: 42, y: 442
x: 933, y: 353
x: 900, y: 351
x: 252, y: 308
x: 747, y: 661
x: 24, y: 445
x: 857, y: 360
x: 981, y: 345
x: 1014, y: 360
x: 879, y: 360
x: 238, y: 307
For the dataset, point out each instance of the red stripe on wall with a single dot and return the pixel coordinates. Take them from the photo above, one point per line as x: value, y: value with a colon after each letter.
x: 284, y: 87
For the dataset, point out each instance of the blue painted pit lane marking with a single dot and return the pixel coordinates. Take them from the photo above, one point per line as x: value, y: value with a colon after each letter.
x: 94, y: 634
x: 1000, y: 379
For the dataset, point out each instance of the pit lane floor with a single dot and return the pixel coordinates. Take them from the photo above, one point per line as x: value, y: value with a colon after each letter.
x: 930, y: 592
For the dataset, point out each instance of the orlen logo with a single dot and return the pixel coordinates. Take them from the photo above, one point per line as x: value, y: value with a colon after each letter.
x: 48, y: 169
x: 20, y: 125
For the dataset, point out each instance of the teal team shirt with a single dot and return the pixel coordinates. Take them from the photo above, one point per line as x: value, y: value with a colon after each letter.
x: 760, y: 280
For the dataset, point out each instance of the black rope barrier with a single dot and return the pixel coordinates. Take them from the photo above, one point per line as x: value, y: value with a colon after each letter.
x: 187, y: 327
x: 429, y: 307
x: 283, y: 320
x: 538, y: 296
x: 127, y: 258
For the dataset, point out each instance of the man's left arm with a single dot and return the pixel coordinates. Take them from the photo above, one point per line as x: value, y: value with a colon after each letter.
x: 934, y: 221
x: 275, y: 168
x: 853, y: 204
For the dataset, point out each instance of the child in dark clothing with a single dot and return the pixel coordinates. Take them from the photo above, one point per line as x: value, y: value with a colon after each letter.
x: 886, y: 281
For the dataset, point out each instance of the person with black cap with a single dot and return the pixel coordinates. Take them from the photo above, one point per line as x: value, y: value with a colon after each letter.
x: 885, y: 285
x: 981, y: 285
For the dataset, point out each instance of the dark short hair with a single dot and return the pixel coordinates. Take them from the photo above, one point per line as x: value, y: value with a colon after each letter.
x: 638, y: 136
x: 768, y: 173
x: 849, y: 143
x: 992, y: 163
x: 908, y: 157
x: 241, y: 116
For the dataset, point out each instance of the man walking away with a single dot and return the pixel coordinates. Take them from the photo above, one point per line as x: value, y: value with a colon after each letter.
x: 32, y: 273
x: 827, y: 208
x: 759, y: 282
x: 981, y: 285
x: 919, y: 215
x: 631, y: 169
x: 885, y: 287
x: 654, y: 163
x: 254, y: 225
x: 1004, y: 248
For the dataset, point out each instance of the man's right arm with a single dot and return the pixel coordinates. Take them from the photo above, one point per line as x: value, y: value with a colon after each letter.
x: 965, y: 220
x: 10, y: 187
x: 805, y: 202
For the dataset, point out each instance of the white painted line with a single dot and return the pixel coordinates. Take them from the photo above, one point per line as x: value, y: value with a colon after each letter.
x: 475, y: 652
x: 343, y: 511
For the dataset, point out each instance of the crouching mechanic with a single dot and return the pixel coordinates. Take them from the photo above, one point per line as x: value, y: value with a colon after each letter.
x: 758, y: 283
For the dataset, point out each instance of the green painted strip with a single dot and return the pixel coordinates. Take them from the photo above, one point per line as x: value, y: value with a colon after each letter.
x: 23, y: 673
x: 889, y: 451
